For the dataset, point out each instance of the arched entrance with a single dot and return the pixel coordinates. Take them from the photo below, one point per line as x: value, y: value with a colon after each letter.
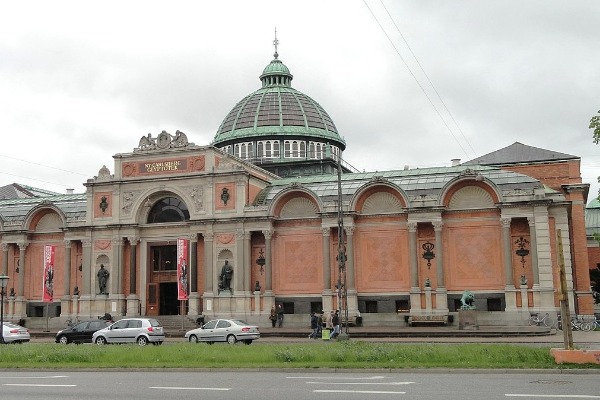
x: 161, y: 263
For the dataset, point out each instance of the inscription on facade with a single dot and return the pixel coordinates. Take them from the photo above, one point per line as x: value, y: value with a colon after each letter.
x: 163, y: 166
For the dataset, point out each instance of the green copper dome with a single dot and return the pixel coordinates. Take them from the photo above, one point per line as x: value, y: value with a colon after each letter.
x: 277, y: 111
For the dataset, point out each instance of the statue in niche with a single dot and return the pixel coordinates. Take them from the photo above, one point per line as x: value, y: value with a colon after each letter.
x: 103, y: 275
x: 225, y: 277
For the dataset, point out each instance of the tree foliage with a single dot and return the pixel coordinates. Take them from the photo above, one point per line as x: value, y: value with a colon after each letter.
x: 595, y: 125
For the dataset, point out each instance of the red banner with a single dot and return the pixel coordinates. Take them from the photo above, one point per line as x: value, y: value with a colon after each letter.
x: 182, y: 269
x: 48, y: 279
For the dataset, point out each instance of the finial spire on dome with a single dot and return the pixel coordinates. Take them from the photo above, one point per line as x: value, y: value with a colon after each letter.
x: 275, y: 43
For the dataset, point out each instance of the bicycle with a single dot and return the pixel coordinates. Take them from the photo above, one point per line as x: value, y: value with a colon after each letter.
x: 71, y: 322
x: 577, y: 324
x: 594, y: 324
x: 546, y: 320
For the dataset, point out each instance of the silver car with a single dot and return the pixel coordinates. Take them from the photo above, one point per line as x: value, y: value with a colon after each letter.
x: 13, y: 333
x: 224, y: 330
x: 131, y: 330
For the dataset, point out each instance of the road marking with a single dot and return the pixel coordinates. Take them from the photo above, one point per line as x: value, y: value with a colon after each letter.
x: 556, y: 396
x: 34, y: 377
x: 358, y: 391
x: 361, y: 383
x: 34, y: 385
x: 335, y: 377
x: 187, y: 388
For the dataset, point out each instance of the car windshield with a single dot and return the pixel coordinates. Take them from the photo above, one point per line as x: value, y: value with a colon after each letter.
x: 11, y: 325
x: 240, y: 322
x: 154, y: 323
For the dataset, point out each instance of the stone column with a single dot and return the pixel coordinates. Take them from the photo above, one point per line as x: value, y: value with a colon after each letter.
x: 20, y: 301
x: 133, y: 300
x: 247, y: 264
x: 510, y: 293
x: 87, y: 279
x: 5, y: 247
x: 268, y: 298
x: 21, y: 292
x: 534, y: 253
x: 237, y: 285
x: 415, y: 290
x: 193, y: 298
x: 65, y: 300
x: 441, y: 293
x: 209, y: 294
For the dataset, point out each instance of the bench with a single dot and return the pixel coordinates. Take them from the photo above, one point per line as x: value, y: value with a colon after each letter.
x: 428, y: 320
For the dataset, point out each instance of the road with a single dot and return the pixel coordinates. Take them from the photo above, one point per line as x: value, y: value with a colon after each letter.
x: 296, y: 385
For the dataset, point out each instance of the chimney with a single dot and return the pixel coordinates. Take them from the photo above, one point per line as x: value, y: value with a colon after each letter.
x: 70, y: 191
x: 455, y: 162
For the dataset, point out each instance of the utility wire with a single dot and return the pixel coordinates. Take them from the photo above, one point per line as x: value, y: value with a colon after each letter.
x: 416, y: 80
x: 427, y: 76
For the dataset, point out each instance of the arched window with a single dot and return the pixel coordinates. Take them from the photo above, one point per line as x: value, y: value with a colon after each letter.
x: 169, y: 209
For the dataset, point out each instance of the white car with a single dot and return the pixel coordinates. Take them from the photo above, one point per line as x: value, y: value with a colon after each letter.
x: 12, y: 333
x: 131, y: 330
x: 224, y: 330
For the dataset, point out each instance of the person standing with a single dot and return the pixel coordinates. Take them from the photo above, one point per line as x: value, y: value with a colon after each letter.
x: 273, y: 316
x: 279, y: 316
x: 329, y: 323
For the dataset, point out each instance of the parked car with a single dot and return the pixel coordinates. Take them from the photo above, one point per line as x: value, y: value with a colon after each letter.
x: 81, y: 332
x: 131, y: 330
x: 13, y: 333
x: 224, y: 330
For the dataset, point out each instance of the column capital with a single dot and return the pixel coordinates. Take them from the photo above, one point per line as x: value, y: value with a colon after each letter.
x: 505, y: 222
x: 437, y: 225
x: 531, y: 221
x: 412, y: 226
x: 133, y: 240
x: 22, y: 245
x: 193, y: 237
x: 326, y: 231
x: 87, y: 243
x: 268, y: 234
x: 5, y: 246
x: 67, y: 243
x: 208, y: 236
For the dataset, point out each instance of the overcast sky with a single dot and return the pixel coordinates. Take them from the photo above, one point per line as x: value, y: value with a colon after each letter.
x: 414, y: 83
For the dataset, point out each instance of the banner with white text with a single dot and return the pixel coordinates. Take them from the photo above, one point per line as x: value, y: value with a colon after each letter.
x: 182, y: 269
x: 48, y: 278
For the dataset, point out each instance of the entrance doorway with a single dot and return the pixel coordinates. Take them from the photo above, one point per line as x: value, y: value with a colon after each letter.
x: 162, y: 280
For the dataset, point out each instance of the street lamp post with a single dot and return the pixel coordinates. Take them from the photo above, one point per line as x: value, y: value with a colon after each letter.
x: 3, y: 283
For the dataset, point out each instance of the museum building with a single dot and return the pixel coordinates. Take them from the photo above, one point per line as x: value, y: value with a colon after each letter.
x: 271, y: 197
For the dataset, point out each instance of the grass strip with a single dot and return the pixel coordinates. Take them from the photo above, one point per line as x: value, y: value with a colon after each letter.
x: 354, y: 355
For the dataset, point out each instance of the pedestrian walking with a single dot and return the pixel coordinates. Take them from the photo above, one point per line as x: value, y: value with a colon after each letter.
x: 335, y: 321
x: 273, y: 316
x: 314, y: 325
x: 279, y: 316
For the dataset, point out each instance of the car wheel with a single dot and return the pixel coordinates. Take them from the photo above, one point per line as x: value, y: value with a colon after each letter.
x: 231, y: 339
x: 100, y: 340
x: 193, y: 338
x: 142, y: 340
x: 249, y: 341
x: 63, y: 339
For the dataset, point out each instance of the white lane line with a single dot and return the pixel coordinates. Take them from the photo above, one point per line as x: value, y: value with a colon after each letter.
x: 336, y: 377
x: 187, y: 388
x: 360, y: 383
x: 554, y: 396
x: 358, y: 391
x: 35, y: 385
x: 34, y: 377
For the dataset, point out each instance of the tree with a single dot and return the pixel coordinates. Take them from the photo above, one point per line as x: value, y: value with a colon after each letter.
x: 595, y: 125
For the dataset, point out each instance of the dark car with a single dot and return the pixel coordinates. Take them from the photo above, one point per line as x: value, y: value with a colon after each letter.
x: 81, y: 332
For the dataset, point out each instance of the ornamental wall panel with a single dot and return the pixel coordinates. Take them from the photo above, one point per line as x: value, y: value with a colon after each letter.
x: 381, y: 260
x: 473, y: 256
x: 298, y: 262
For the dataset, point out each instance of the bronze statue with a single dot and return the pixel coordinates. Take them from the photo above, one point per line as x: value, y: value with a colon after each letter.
x: 226, y: 274
x: 102, y: 279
